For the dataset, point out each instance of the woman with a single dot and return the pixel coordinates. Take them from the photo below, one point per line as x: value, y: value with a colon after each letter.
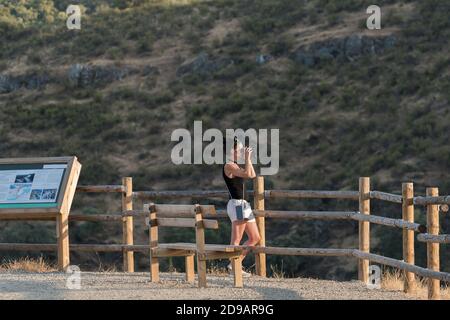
x: 239, y: 210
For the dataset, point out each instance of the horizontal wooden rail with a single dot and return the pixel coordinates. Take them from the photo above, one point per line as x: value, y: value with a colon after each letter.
x: 274, y: 214
x: 140, y: 213
x: 441, y: 238
x: 44, y: 216
x: 134, y: 213
x: 432, y: 200
x: 105, y: 188
x: 324, y: 215
x: 402, y: 265
x: 25, y: 218
x: 312, y: 194
x: 109, y: 247
x: 297, y: 194
x: 28, y: 247
x: 399, y: 223
x: 302, y: 251
x: 185, y: 223
x: 173, y: 211
x: 150, y: 195
x: 74, y: 247
x: 341, y: 215
x: 72, y: 217
x: 95, y: 217
x: 116, y: 216
x: 146, y: 248
x: 219, y: 214
x: 386, y: 196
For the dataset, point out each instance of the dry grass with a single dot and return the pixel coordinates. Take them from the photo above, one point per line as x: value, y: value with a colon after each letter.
x: 107, y: 268
x: 393, y: 280
x: 350, y: 24
x: 221, y: 30
x: 217, y: 270
x: 277, y: 272
x: 28, y: 265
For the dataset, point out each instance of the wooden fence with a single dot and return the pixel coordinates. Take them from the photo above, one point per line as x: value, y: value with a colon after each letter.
x: 428, y: 234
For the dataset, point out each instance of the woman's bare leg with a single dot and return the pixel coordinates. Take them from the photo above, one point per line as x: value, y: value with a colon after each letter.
x: 251, y: 229
x: 237, y: 231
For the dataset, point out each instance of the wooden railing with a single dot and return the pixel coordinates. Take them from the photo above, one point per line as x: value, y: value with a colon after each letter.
x: 428, y: 234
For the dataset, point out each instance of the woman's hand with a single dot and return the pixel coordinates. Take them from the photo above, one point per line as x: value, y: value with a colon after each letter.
x: 233, y: 170
x: 248, y: 163
x: 248, y: 152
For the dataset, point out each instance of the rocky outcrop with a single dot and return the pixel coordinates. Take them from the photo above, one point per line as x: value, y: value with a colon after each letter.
x: 7, y: 84
x: 79, y: 75
x: 88, y: 75
x: 348, y: 48
x: 10, y: 83
x: 203, y: 64
x: 85, y: 75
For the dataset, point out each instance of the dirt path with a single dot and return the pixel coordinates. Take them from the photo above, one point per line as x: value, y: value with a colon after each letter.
x: 14, y: 285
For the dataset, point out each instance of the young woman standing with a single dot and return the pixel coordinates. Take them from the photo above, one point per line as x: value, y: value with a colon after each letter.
x: 238, y: 209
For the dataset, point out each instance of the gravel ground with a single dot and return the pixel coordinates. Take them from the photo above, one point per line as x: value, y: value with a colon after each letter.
x: 16, y: 285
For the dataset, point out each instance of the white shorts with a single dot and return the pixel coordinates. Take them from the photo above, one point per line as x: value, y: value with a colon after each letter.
x: 245, y: 214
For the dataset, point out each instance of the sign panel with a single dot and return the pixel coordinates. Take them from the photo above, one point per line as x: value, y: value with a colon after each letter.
x: 30, y: 185
x: 38, y: 186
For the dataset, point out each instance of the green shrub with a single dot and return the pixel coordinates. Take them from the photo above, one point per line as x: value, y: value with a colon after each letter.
x: 281, y: 46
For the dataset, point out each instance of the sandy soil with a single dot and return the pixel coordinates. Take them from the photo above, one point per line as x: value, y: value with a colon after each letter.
x: 18, y: 285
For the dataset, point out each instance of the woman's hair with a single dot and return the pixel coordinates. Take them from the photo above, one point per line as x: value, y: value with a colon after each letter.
x: 236, y: 144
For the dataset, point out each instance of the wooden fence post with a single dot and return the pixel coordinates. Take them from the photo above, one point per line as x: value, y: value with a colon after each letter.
x: 127, y: 224
x: 433, y: 248
x: 153, y: 241
x: 200, y: 241
x: 364, y: 228
x: 260, y: 258
x: 62, y: 236
x: 408, y: 235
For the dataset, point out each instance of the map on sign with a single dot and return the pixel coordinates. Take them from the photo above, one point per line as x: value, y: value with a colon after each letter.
x: 30, y: 185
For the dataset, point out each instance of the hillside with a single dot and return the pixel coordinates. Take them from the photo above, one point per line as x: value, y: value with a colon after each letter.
x: 349, y: 102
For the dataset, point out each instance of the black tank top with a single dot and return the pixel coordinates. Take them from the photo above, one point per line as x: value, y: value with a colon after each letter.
x: 235, y: 185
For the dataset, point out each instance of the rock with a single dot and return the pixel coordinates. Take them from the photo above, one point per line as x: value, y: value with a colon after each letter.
x: 263, y: 58
x: 353, y: 46
x: 79, y: 75
x: 82, y: 75
x: 347, y: 48
x: 203, y: 64
x: 326, y: 53
x: 32, y: 81
x: 390, y: 42
x: 35, y: 81
x: 303, y: 57
x: 6, y: 84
